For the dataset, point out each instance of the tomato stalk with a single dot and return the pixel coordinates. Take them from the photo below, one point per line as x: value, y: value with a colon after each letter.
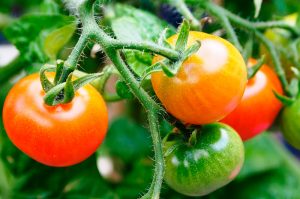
x: 111, y: 48
x: 186, y: 13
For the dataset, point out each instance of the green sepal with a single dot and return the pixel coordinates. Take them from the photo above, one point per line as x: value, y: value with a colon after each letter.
x: 287, y: 101
x: 191, y: 50
x: 254, y: 69
x: 69, y: 90
x: 46, y: 83
x: 183, y: 36
x: 80, y: 82
x: 172, y: 69
x: 51, y: 95
x: 59, y: 71
x: 55, y: 96
x: 162, y: 40
x: 123, y: 90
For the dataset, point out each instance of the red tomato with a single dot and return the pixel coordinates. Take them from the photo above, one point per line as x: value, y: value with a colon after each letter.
x: 61, y: 135
x: 259, y: 106
x: 209, y: 84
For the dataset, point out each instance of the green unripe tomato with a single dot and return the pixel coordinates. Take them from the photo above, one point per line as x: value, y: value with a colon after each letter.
x: 290, y: 124
x: 213, y: 160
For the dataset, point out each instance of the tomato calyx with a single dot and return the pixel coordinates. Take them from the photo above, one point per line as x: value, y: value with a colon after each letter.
x: 62, y: 90
x: 171, y: 67
x: 255, y: 68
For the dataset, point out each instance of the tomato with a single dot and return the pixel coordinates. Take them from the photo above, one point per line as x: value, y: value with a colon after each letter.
x: 212, y: 162
x: 209, y: 84
x: 290, y: 124
x: 61, y: 135
x: 259, y: 106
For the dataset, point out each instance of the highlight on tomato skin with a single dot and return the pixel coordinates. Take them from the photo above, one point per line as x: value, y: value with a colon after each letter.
x: 209, y: 84
x: 259, y: 106
x: 61, y: 135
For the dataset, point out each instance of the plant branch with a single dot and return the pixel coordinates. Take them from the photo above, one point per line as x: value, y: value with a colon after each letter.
x: 276, y: 61
x: 111, y: 50
x: 218, y: 12
x: 276, y: 24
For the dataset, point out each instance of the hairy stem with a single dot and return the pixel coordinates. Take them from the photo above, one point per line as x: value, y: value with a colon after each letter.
x: 155, y: 187
x: 96, y: 33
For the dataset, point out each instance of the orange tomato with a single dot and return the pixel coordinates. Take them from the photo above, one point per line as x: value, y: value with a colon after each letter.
x: 259, y: 106
x: 209, y: 84
x: 61, y: 135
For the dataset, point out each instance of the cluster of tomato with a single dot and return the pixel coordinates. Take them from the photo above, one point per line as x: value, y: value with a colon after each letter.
x: 210, y: 86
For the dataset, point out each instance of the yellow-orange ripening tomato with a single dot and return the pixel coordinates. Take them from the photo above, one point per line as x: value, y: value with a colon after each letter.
x: 61, y: 135
x: 209, y: 84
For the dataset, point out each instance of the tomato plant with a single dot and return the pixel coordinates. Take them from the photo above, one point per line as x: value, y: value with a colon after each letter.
x: 185, y: 83
x: 60, y: 135
x: 259, y: 106
x: 212, y: 160
x: 209, y: 84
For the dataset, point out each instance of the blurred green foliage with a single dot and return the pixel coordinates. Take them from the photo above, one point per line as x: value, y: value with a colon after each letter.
x: 269, y: 171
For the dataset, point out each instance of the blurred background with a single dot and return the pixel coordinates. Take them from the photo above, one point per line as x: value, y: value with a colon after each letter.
x: 123, y: 165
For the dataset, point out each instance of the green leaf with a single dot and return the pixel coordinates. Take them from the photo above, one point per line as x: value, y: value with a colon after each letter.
x: 254, y: 69
x: 123, y: 90
x: 131, y: 24
x: 29, y: 32
x: 57, y: 39
x: 259, y: 156
x: 287, y: 101
x: 257, y: 4
x: 126, y: 140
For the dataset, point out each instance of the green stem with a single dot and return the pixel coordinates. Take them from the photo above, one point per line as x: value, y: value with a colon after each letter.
x: 217, y: 12
x: 276, y: 61
x: 147, y: 47
x: 275, y: 24
x: 11, y: 69
x: 148, y: 103
x: 71, y: 62
x: 181, y: 6
x: 154, y: 190
x: 153, y: 110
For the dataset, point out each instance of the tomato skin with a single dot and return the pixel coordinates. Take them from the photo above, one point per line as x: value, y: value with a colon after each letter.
x: 213, y: 162
x: 61, y: 135
x: 259, y: 106
x: 290, y: 124
x: 208, y: 86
